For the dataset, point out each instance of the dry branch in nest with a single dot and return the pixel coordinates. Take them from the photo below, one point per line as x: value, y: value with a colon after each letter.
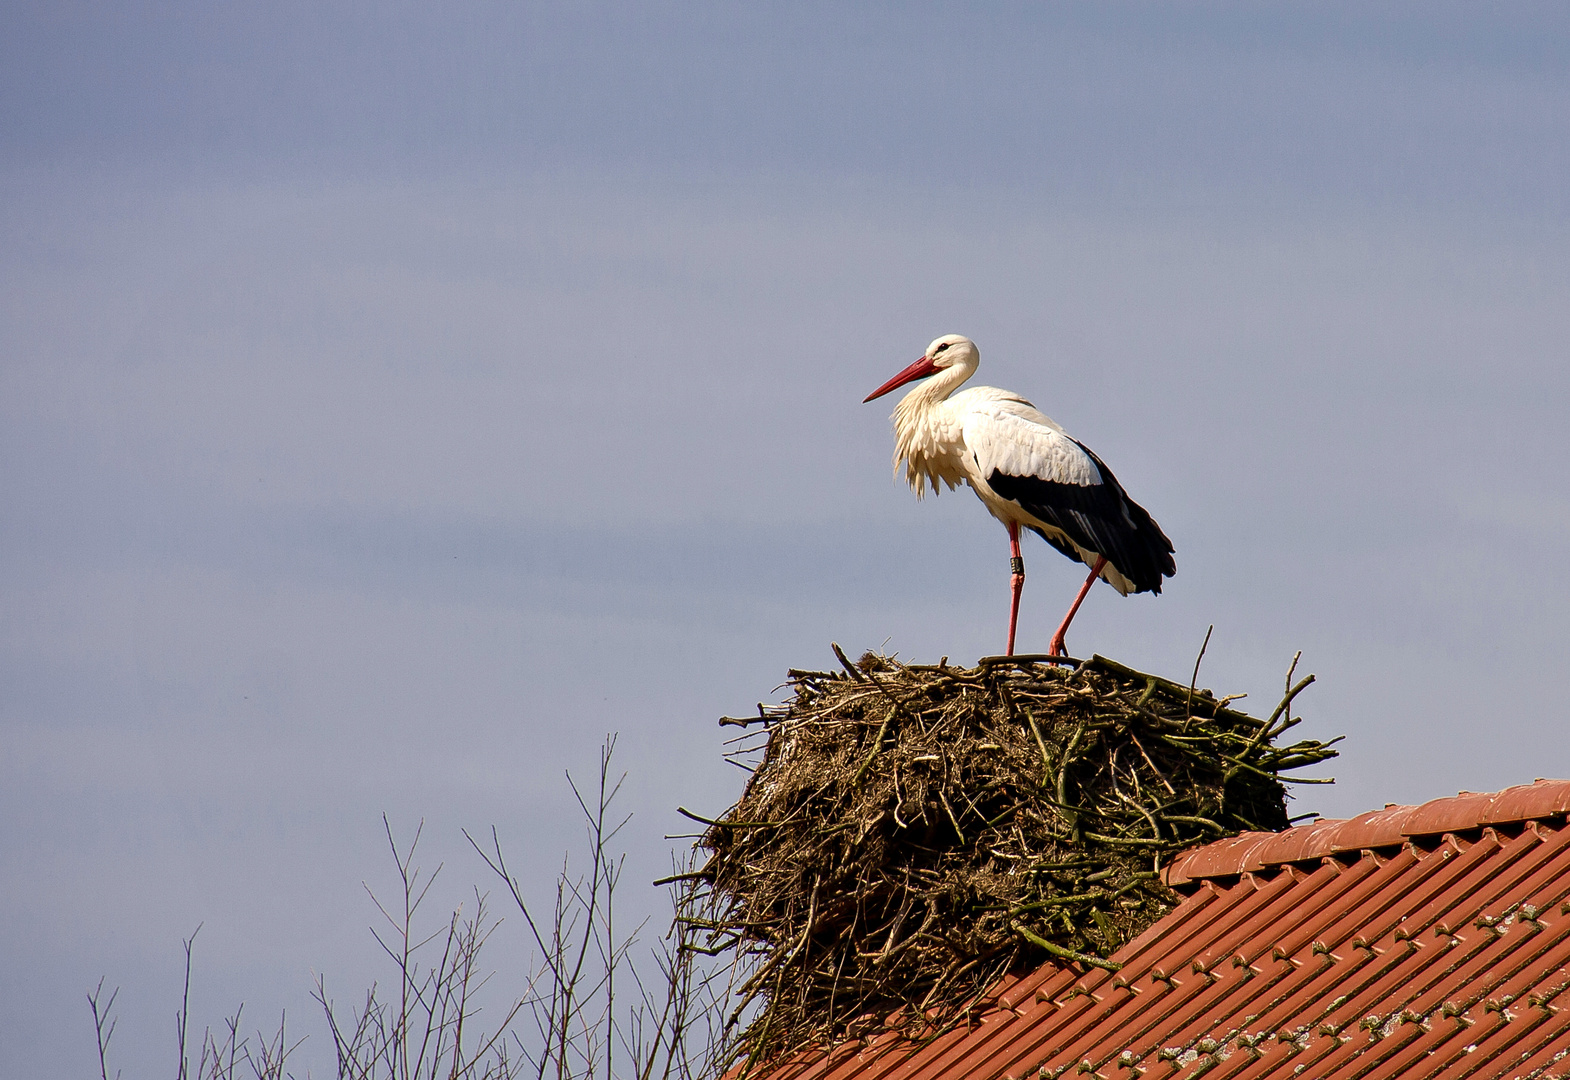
x: 912, y: 833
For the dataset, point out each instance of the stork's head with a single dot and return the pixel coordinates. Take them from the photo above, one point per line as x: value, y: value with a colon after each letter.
x: 948, y: 351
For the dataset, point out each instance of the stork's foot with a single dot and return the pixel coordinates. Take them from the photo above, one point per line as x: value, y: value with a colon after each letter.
x: 1057, y: 647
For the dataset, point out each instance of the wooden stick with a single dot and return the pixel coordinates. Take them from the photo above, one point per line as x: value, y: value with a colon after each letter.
x: 845, y: 662
x: 1061, y: 953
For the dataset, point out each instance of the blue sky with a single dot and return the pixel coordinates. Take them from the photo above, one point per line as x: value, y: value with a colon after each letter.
x: 396, y: 400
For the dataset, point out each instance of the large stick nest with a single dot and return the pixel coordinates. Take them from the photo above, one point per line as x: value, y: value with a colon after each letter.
x: 913, y: 833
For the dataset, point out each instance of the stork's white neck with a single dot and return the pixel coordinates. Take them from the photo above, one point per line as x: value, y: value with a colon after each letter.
x: 929, y: 392
x: 926, y: 438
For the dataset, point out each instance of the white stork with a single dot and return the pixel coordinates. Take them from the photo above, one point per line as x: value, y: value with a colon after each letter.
x: 1027, y: 471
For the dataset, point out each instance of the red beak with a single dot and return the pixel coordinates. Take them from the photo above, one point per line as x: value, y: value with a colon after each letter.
x: 919, y: 370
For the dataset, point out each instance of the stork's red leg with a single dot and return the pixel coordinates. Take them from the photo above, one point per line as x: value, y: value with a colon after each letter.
x: 1016, y: 582
x: 1057, y: 648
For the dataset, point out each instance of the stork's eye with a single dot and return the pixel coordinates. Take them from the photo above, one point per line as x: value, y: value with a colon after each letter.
x: 940, y: 348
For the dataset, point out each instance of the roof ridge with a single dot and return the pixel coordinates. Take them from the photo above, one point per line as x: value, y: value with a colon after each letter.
x: 1256, y: 851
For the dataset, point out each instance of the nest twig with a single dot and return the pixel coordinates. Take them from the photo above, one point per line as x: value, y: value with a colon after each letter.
x: 912, y: 833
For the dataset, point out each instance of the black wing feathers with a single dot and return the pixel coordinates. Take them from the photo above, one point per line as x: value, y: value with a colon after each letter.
x: 1099, y: 517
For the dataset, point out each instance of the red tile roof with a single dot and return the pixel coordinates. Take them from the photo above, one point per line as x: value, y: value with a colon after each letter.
x: 1428, y: 942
